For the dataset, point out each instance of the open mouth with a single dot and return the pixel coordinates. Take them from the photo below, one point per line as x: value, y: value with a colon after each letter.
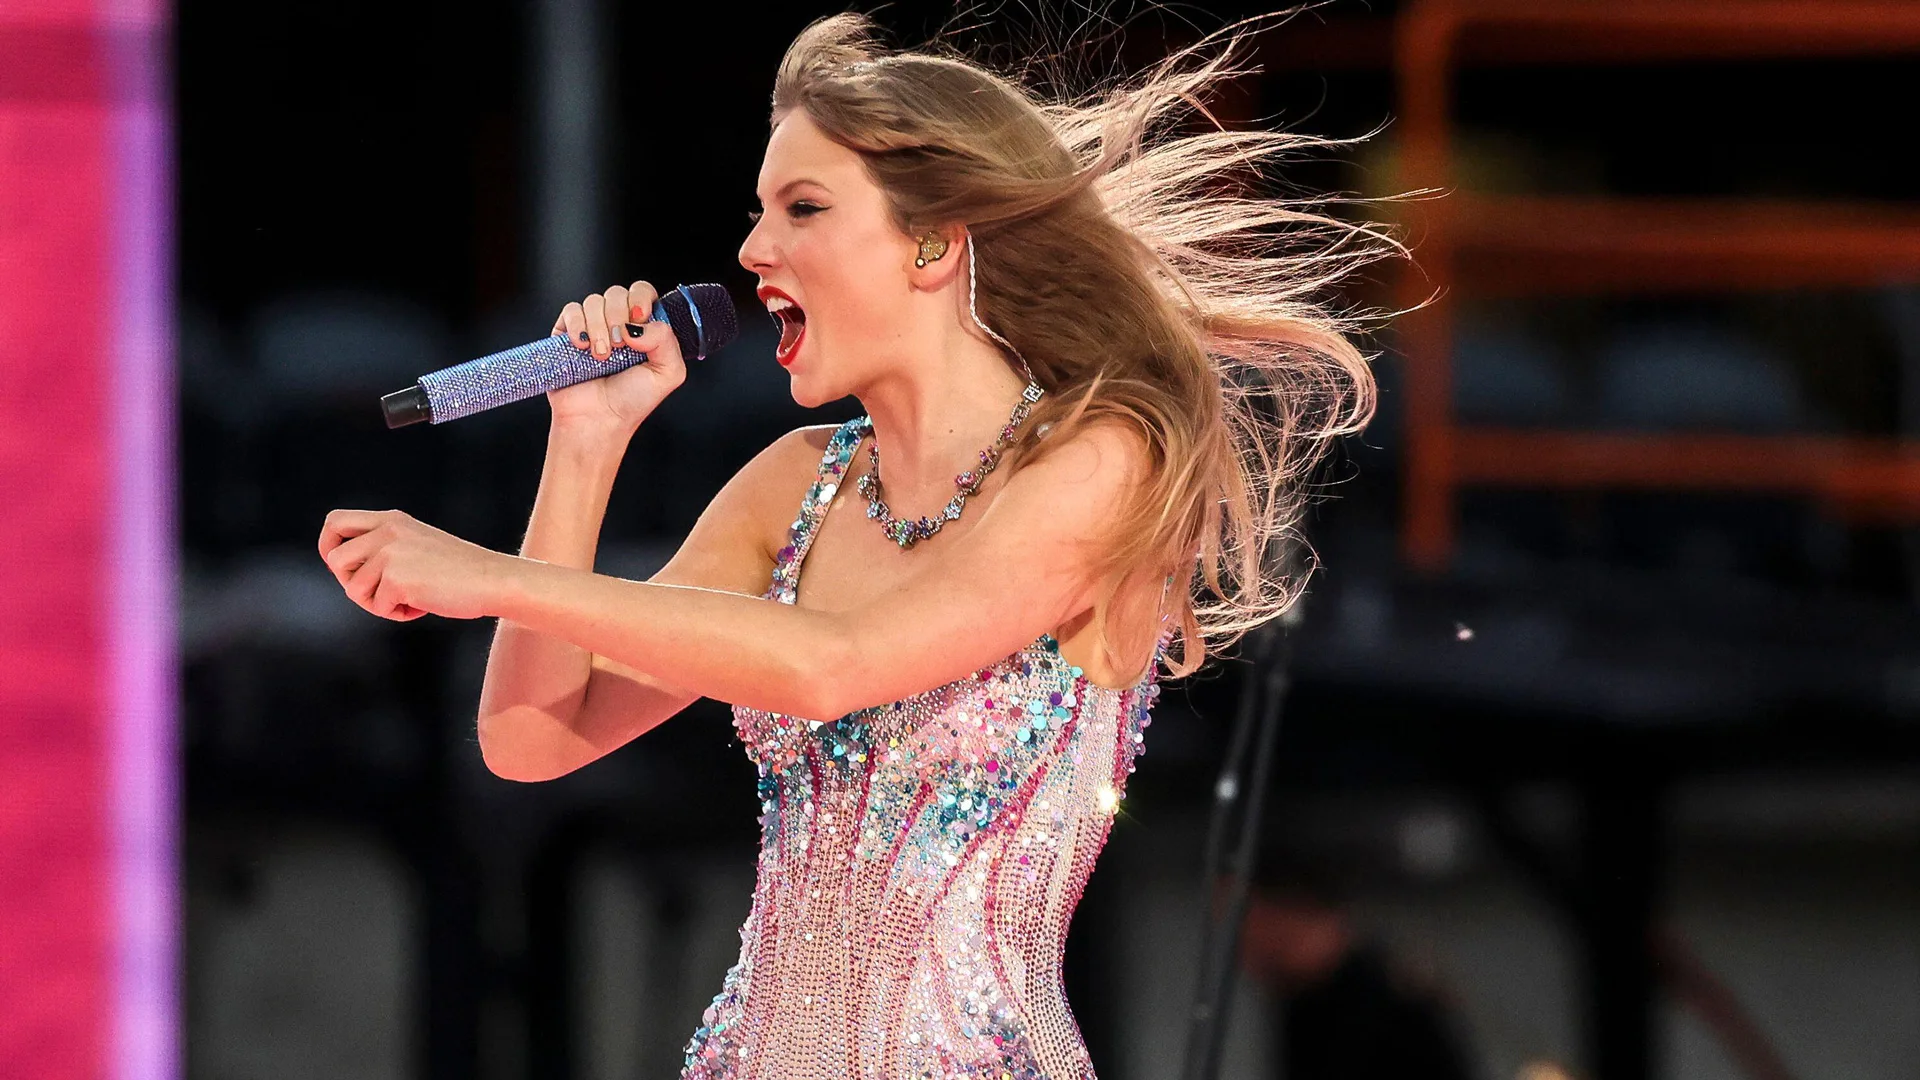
x: 792, y: 319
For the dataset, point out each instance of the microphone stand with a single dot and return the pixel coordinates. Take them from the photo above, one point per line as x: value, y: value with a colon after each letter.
x: 1257, y: 722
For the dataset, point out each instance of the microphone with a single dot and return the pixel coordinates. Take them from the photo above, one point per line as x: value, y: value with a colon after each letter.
x: 702, y: 317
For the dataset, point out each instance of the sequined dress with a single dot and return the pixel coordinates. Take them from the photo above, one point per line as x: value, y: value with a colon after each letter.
x: 919, y: 863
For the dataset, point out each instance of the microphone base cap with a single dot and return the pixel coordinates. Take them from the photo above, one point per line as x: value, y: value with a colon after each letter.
x: 409, y: 406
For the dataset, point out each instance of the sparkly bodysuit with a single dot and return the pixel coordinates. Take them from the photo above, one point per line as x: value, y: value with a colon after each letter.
x: 919, y: 863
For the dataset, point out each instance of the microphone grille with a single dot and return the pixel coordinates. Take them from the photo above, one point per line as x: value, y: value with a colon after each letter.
x: 713, y: 324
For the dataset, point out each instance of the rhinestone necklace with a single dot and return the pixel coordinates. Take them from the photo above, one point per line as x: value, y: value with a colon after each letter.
x: 909, y: 533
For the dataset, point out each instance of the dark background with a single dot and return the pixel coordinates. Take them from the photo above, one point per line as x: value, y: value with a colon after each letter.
x: 1615, y: 718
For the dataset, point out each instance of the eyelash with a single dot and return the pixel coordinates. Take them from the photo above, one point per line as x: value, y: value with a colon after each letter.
x: 801, y: 208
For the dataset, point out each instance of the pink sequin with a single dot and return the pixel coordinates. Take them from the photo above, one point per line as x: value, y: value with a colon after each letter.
x: 919, y: 864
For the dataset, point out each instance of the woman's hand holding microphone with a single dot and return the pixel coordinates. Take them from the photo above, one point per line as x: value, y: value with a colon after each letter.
x: 599, y: 324
x: 400, y: 568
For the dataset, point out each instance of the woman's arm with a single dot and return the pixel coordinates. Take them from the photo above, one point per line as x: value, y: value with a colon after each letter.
x: 537, y: 716
x: 1021, y: 571
x: 536, y: 684
x: 549, y: 706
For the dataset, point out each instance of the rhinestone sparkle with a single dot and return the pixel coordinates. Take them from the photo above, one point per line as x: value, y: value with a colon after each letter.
x: 944, y: 839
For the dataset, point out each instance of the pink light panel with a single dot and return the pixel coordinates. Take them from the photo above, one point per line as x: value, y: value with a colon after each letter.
x: 88, y: 791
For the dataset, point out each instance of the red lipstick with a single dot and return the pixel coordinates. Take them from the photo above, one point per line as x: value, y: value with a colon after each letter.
x: 792, y: 319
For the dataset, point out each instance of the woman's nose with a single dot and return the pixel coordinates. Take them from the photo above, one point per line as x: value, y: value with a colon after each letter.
x: 755, y: 253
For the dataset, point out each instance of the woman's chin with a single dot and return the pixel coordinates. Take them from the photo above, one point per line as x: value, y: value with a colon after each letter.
x: 810, y: 387
x: 807, y: 397
x: 810, y: 391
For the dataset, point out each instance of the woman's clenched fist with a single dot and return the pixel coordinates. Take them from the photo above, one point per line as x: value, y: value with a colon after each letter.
x: 400, y: 568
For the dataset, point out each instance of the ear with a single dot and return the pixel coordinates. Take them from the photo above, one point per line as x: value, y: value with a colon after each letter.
x: 945, y: 250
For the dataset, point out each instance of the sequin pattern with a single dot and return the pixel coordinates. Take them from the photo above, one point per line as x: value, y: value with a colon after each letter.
x: 515, y: 374
x: 919, y: 863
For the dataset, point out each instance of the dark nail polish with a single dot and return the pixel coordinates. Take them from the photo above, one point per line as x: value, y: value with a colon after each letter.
x: 583, y: 336
x: 635, y: 329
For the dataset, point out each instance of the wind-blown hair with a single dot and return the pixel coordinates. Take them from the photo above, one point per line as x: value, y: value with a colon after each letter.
x: 1144, y: 276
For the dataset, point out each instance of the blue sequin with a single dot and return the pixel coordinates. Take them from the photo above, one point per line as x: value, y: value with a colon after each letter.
x: 994, y: 788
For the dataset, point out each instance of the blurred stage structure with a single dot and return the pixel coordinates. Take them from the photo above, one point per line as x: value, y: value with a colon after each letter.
x: 1555, y: 246
x: 1644, y: 682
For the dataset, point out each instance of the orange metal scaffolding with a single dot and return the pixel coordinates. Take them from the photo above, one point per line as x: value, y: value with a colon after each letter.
x: 1480, y: 245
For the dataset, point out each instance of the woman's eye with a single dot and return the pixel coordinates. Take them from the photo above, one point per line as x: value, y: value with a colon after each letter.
x: 804, y: 209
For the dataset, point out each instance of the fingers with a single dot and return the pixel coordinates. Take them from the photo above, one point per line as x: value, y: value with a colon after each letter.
x: 628, y: 310
x: 599, y: 324
x: 641, y: 297
x: 363, y: 580
x: 343, y: 559
x: 388, y: 606
x: 600, y: 339
x: 343, y: 525
x: 616, y: 315
x: 572, y: 323
x: 354, y: 545
x: 656, y: 339
x: 363, y: 576
x: 373, y: 590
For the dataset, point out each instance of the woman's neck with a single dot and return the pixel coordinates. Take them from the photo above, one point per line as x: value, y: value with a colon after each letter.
x: 934, y: 415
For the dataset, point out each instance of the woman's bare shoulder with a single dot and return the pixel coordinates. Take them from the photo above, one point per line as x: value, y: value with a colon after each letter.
x: 1105, y: 452
x: 777, y: 477
x: 796, y: 456
x: 791, y: 457
x: 733, y: 543
x: 814, y: 437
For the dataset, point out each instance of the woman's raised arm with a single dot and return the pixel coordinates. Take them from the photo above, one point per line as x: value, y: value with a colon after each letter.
x: 548, y: 706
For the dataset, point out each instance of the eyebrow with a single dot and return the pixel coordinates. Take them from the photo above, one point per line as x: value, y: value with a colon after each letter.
x: 791, y: 184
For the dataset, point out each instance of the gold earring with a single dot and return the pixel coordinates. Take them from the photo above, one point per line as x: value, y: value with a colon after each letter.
x: 932, y: 246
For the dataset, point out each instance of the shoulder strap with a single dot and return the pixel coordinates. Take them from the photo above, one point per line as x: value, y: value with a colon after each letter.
x: 814, y: 506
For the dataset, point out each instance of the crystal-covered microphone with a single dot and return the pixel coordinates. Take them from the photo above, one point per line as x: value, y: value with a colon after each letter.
x: 702, y: 317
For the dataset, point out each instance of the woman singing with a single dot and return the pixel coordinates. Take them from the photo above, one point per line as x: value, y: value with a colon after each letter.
x: 1092, y: 353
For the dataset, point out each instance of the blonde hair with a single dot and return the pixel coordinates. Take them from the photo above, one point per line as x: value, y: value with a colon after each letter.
x: 1144, y: 278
